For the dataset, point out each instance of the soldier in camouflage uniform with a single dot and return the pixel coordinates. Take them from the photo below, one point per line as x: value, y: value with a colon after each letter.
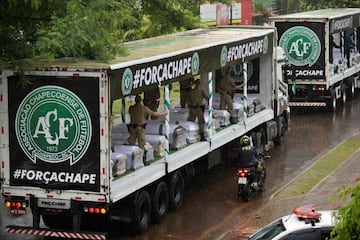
x: 152, y: 100
x: 185, y: 87
x: 196, y: 107
x: 226, y: 88
x: 137, y: 124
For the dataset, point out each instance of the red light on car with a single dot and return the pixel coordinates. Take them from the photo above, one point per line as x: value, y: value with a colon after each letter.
x: 307, y: 212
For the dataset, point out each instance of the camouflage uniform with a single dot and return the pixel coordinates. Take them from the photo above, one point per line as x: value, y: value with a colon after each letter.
x: 226, y: 88
x: 137, y: 122
x: 196, y: 108
x: 152, y: 100
x: 185, y: 87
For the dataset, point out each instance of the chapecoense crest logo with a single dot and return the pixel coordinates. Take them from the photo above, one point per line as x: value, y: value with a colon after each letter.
x: 52, y: 124
x: 301, y: 45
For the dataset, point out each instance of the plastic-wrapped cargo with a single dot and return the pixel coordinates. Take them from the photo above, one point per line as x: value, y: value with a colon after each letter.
x: 177, y: 135
x: 158, y: 142
x: 216, y: 121
x: 179, y: 114
x: 223, y: 116
x: 149, y: 153
x: 118, y: 163
x: 135, y: 156
x: 192, y: 131
x: 237, y: 112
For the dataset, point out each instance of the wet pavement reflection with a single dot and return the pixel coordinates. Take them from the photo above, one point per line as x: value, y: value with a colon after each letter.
x: 211, y: 206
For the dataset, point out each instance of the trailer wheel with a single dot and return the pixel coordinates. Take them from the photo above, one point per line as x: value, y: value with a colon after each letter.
x: 331, y: 105
x: 351, y: 90
x: 160, y: 202
x: 176, y: 191
x: 343, y: 94
x: 142, y: 213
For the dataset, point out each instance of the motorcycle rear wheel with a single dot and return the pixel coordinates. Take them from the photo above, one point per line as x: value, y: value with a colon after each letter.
x: 246, y: 193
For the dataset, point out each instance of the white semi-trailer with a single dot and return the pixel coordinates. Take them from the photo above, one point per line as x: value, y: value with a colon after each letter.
x: 62, y: 160
x: 322, y: 49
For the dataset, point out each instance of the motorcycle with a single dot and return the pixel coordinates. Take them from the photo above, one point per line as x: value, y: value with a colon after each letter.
x: 251, y: 180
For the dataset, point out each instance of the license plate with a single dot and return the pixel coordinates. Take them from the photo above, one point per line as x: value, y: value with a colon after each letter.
x: 54, y: 203
x: 242, y: 180
x: 18, y: 211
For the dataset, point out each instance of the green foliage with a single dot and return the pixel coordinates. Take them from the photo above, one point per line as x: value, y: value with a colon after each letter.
x: 85, y: 29
x: 285, y: 6
x: 347, y: 225
x: 92, y: 30
x: 322, y: 4
x: 265, y: 14
x: 168, y: 16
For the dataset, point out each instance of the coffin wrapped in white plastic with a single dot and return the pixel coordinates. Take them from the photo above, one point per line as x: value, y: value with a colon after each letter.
x: 177, y: 133
x: 149, y: 153
x: 237, y: 112
x: 215, y: 123
x: 119, y: 128
x: 134, y: 155
x: 158, y: 142
x: 192, y: 131
x: 179, y: 114
x: 118, y: 163
x: 223, y: 117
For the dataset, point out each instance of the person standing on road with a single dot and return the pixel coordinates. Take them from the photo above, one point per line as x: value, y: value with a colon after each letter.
x: 152, y: 100
x: 226, y: 88
x: 196, y: 107
x: 138, y: 113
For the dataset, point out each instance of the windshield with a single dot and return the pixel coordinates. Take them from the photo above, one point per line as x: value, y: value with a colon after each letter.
x: 269, y: 231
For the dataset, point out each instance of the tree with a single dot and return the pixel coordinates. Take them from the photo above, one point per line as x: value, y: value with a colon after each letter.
x: 85, y: 29
x: 347, y: 225
x: 264, y: 14
x: 285, y: 6
x: 321, y: 4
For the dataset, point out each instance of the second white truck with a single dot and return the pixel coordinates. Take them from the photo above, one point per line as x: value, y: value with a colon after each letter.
x: 322, y: 49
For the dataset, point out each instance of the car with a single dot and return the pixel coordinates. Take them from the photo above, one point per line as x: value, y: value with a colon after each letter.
x: 304, y: 224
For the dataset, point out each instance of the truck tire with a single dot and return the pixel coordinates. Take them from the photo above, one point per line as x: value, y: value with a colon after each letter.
x: 142, y: 213
x: 176, y: 191
x: 351, y: 90
x: 160, y: 202
x: 331, y: 104
x: 343, y: 94
x: 246, y: 193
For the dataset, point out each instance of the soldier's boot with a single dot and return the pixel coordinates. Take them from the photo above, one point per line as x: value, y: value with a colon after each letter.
x: 202, y: 137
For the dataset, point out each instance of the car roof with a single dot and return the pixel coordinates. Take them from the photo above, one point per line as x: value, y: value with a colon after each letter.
x: 293, y: 222
x: 285, y: 225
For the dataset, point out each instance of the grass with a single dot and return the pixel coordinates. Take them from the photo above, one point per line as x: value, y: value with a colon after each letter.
x: 308, y: 179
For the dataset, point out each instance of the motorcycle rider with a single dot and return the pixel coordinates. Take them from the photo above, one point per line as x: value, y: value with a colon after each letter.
x: 248, y: 157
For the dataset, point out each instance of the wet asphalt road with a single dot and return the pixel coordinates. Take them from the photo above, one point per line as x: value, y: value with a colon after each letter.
x: 211, y: 206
